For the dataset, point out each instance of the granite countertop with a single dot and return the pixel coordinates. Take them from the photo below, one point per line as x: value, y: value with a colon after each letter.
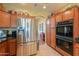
x: 2, y: 39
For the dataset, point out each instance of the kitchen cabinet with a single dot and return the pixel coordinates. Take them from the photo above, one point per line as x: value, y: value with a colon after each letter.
x: 53, y: 38
x: 1, y: 7
x: 4, y: 19
x: 76, y: 53
x: 48, y: 39
x: 3, y: 48
x: 53, y: 31
x: 76, y: 32
x: 59, y: 17
x: 52, y: 22
x: 13, y: 20
x: 68, y: 14
x: 12, y: 47
x: 73, y: 14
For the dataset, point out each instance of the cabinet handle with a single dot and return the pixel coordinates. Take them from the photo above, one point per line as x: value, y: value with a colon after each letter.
x: 77, y: 40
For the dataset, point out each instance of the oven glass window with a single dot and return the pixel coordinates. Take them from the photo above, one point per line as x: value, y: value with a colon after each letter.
x: 60, y: 30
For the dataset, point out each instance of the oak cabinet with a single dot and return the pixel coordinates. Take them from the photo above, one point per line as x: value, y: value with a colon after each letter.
x: 48, y: 39
x: 59, y: 17
x: 12, y: 47
x: 76, y: 32
x: 53, y: 38
x: 69, y: 14
x: 53, y: 31
x: 13, y: 20
x: 1, y: 7
x: 76, y: 53
x: 52, y: 22
x: 4, y: 19
x: 3, y: 49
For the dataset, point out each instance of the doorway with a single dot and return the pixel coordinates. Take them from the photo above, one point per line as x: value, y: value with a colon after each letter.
x: 42, y: 33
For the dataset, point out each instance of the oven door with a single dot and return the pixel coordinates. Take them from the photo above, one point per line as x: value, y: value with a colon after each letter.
x: 65, y: 45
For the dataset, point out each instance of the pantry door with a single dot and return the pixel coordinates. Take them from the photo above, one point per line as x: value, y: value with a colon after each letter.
x: 76, y: 32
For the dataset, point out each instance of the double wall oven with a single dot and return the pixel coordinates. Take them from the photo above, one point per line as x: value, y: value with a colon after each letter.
x: 64, y: 35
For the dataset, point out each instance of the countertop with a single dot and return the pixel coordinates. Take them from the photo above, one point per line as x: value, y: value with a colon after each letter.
x: 3, y: 39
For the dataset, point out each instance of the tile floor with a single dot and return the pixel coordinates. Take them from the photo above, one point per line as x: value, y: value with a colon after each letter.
x: 45, y: 50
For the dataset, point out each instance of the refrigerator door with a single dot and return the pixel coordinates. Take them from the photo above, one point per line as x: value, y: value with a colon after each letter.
x: 26, y: 37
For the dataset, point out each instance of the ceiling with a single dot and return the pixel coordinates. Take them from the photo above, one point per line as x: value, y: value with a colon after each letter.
x: 37, y: 9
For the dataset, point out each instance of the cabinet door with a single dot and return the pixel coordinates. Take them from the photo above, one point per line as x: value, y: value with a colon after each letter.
x: 59, y: 17
x: 69, y: 14
x: 1, y: 7
x: 53, y: 32
x: 13, y: 20
x: 48, y: 32
x: 53, y: 37
x: 4, y: 19
x: 3, y: 49
x: 76, y: 32
x: 48, y: 37
x: 12, y: 47
x: 76, y: 50
x: 53, y: 22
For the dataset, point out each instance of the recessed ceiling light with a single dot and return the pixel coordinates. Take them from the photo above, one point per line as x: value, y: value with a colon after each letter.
x: 44, y: 7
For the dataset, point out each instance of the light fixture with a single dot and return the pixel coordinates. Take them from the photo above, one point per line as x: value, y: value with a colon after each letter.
x: 44, y: 7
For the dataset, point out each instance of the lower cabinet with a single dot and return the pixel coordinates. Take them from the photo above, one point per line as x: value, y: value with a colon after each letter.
x: 3, y: 48
x: 76, y: 50
x: 8, y: 48
x: 12, y: 47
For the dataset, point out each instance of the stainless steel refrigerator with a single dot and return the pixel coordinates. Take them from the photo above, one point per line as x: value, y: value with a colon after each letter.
x: 26, y: 40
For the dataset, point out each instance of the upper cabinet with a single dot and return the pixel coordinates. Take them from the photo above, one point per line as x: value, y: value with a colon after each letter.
x: 52, y: 21
x: 13, y: 20
x: 59, y: 17
x: 68, y: 14
x: 4, y: 19
x: 1, y: 7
